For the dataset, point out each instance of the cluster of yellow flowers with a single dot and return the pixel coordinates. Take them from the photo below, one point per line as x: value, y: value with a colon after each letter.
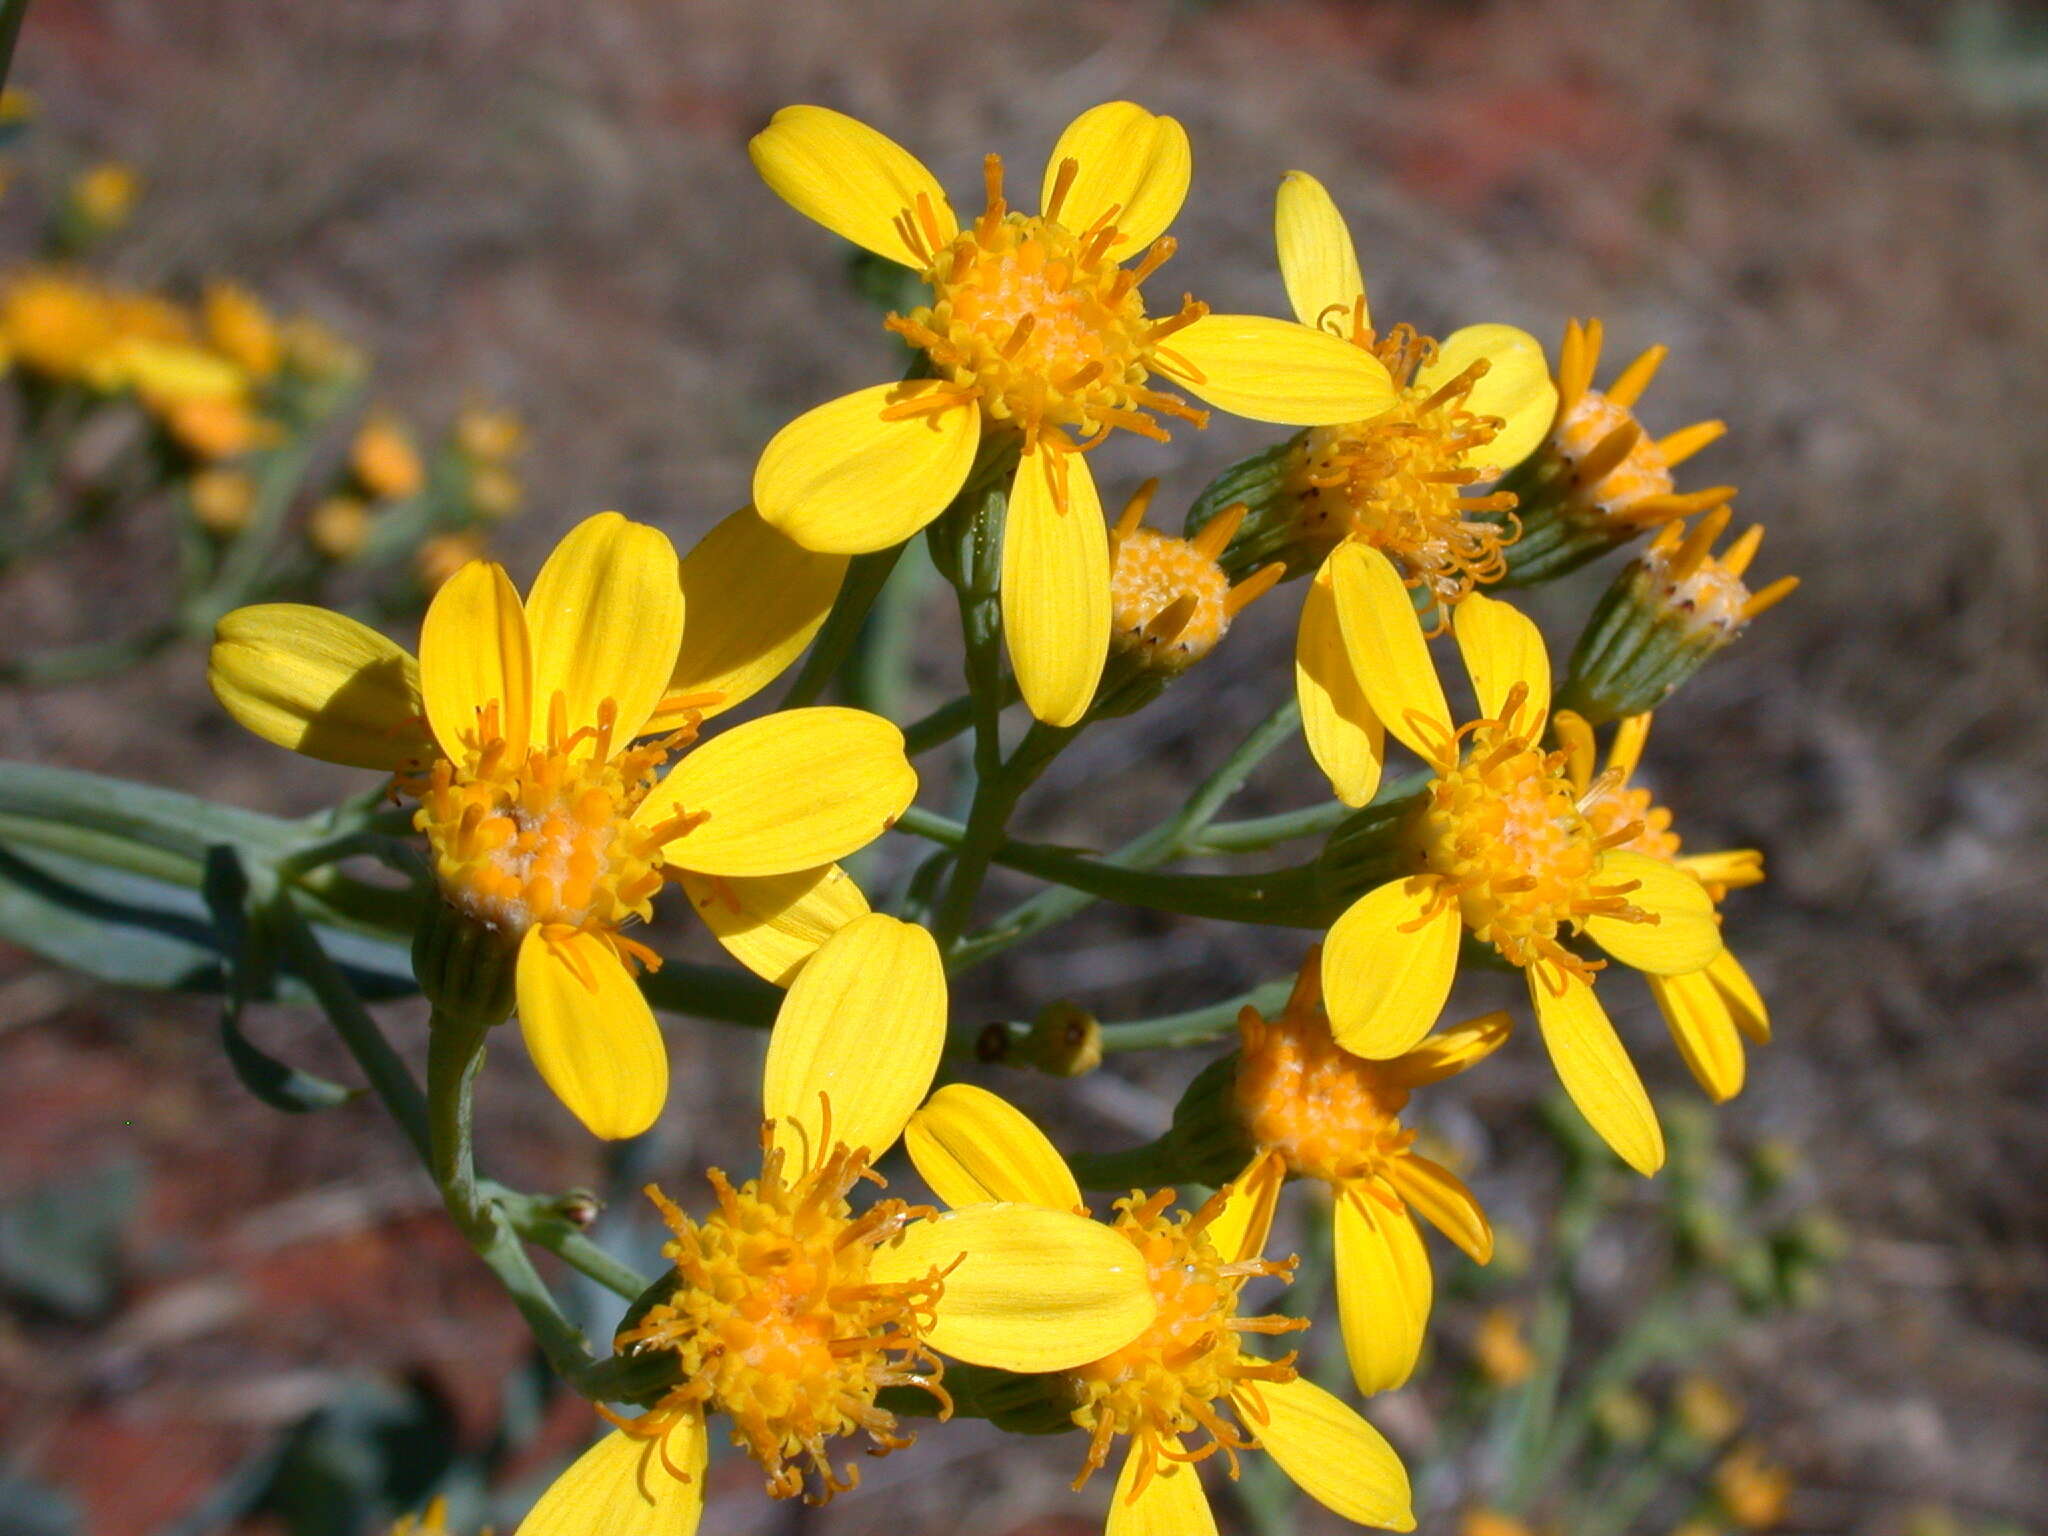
x: 555, y: 747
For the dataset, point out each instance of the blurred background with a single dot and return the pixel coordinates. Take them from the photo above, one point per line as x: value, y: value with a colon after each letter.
x: 1835, y: 214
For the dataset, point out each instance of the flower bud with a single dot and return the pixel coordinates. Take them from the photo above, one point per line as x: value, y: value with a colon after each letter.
x: 1065, y: 1041
x: 222, y: 500
x: 338, y: 528
x: 384, y: 461
x: 465, y: 965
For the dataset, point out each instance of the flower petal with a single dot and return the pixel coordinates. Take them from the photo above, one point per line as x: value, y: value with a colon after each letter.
x: 1055, y: 584
x: 856, y: 182
x: 1344, y: 736
x: 1389, y: 656
x: 856, y: 1041
x: 474, y: 652
x: 320, y: 684
x: 606, y: 616
x: 844, y: 479
x: 1593, y: 1067
x: 1451, y: 1051
x: 785, y: 792
x: 1027, y: 1289
x: 1275, y: 370
x: 622, y: 1486
x: 1335, y: 1457
x: 1684, y: 936
x: 1383, y: 1290
x: 1503, y: 648
x: 752, y: 599
x: 1441, y: 1198
x: 973, y: 1147
x: 772, y: 924
x: 1516, y: 387
x: 1133, y: 166
x: 590, y: 1032
x: 1703, y: 1027
x: 1317, y: 260
x: 1388, y: 964
x: 1170, y: 1502
x: 1240, y: 1228
x: 1745, y: 1003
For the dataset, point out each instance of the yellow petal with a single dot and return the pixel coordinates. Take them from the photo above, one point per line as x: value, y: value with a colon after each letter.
x: 1684, y: 936
x: 1335, y: 1457
x: 1383, y: 1290
x: 1168, y: 1503
x: 1516, y: 388
x: 844, y: 479
x: 1704, y: 1029
x: 772, y: 924
x: 860, y: 1031
x: 1594, y: 1068
x: 1503, y: 650
x: 1387, y: 967
x: 1240, y: 1228
x: 752, y: 599
x: 320, y: 684
x: 856, y: 182
x: 622, y: 1486
x: 973, y: 1147
x: 606, y: 616
x: 473, y: 653
x: 1027, y: 1289
x: 590, y: 1032
x: 785, y: 792
x: 1132, y: 166
x: 1451, y: 1051
x: 1745, y: 1003
x: 1055, y: 584
x: 1344, y: 736
x: 1389, y: 656
x: 1441, y: 1198
x: 1274, y: 370
x: 1317, y: 260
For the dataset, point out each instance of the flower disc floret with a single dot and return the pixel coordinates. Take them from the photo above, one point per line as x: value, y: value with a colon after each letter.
x: 1329, y: 1114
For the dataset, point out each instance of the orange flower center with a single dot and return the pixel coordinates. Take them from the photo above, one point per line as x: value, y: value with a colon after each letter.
x: 776, y: 1324
x: 1154, y: 573
x: 1330, y: 1114
x: 1039, y: 324
x: 1181, y: 1375
x: 1603, y: 486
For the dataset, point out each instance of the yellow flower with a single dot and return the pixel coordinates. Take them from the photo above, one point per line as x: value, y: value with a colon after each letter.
x: 1185, y: 1389
x: 441, y: 556
x: 1752, y: 1491
x: 1467, y: 409
x: 1711, y: 1009
x: 55, y: 323
x: 1491, y: 1522
x: 338, y: 527
x: 1169, y: 596
x: 384, y: 460
x: 488, y: 435
x: 792, y: 1311
x: 1316, y: 1111
x: 222, y: 500
x: 1503, y: 1353
x: 532, y: 736
x: 241, y: 330
x: 1502, y: 850
x: 1707, y: 589
x: 105, y: 194
x: 1035, y: 332
x: 431, y: 1521
x: 212, y: 427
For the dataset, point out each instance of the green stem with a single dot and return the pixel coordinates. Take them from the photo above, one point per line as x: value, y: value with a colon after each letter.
x: 1261, y: 832
x: 866, y: 575
x: 949, y: 720
x: 539, y: 1219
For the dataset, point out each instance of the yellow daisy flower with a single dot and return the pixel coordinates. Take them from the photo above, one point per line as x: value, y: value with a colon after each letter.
x: 1036, y: 332
x: 1168, y: 597
x: 1314, y: 1110
x: 791, y: 1311
x: 532, y: 736
x: 1500, y: 849
x: 240, y: 328
x: 1185, y: 1389
x: 1709, y: 1010
x: 1467, y: 409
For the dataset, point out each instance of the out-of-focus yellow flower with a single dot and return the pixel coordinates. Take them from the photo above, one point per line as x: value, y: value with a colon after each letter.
x: 17, y: 105
x: 1491, y: 1522
x: 222, y: 500
x: 1168, y: 596
x: 338, y: 527
x: 1186, y: 1388
x: 791, y: 1312
x: 442, y: 555
x: 104, y: 195
x: 520, y: 731
x: 1503, y: 1353
x: 239, y: 327
x: 431, y: 1521
x: 55, y: 323
x: 385, y: 460
x: 489, y: 435
x: 318, y: 351
x: 215, y: 427
x: 1706, y: 1410
x: 1709, y: 1010
x: 495, y: 492
x: 1752, y: 1491
x: 1499, y: 850
x: 1037, y: 335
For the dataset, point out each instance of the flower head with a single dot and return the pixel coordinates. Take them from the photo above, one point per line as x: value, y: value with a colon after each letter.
x: 1037, y: 338
x: 104, y: 195
x: 531, y: 733
x: 1168, y: 597
x: 1500, y: 849
x: 384, y: 459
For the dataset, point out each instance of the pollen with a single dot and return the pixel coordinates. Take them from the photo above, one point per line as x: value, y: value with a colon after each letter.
x: 1331, y: 1115
x: 1036, y: 322
x: 1402, y: 481
x: 1503, y: 834
x: 776, y: 1324
x: 1188, y: 1373
x: 1170, y: 597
